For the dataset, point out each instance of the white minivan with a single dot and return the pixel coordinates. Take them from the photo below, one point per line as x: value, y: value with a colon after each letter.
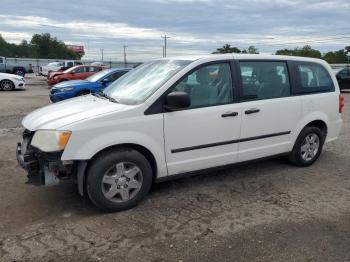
x: 175, y: 116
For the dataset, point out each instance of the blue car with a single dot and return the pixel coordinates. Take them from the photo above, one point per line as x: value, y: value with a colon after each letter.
x: 94, y: 83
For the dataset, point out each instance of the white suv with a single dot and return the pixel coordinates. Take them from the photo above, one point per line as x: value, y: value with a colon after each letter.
x: 174, y: 116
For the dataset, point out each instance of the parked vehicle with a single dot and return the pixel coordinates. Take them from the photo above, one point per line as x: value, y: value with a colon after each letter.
x: 14, y: 67
x: 74, y: 73
x: 10, y: 82
x: 343, y: 77
x: 92, y: 84
x: 166, y: 118
x: 57, y: 66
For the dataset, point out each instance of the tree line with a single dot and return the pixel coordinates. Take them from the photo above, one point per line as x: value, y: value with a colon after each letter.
x: 40, y: 46
x: 340, y: 56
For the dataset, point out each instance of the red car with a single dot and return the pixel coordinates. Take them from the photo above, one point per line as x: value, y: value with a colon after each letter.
x: 74, y: 73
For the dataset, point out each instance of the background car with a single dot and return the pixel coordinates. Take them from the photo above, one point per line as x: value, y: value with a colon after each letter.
x: 343, y: 77
x: 10, y: 82
x: 14, y: 67
x: 57, y: 67
x: 92, y: 84
x: 74, y: 73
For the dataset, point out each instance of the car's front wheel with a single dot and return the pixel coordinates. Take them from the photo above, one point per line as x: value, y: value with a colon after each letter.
x: 307, y: 147
x: 7, y: 85
x: 118, y: 179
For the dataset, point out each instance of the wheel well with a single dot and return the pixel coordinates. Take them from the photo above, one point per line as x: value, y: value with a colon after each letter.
x: 141, y: 149
x: 321, y: 125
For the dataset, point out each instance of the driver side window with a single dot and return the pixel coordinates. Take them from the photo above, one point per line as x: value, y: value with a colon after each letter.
x: 208, y: 86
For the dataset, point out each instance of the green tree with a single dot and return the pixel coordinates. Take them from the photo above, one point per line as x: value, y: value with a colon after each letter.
x: 252, y: 50
x: 339, y: 56
x: 41, y: 46
x: 227, y: 49
x: 49, y: 47
x: 306, y: 51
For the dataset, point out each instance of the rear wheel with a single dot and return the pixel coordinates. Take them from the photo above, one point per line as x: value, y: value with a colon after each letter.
x: 307, y: 147
x: 7, y: 85
x: 118, y: 179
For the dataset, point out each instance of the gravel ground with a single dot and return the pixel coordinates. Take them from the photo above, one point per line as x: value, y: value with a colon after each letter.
x: 266, y: 211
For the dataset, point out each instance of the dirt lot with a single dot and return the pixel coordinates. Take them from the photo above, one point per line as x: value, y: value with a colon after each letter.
x: 268, y: 211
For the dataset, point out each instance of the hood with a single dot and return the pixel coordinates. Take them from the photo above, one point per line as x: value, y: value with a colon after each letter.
x: 5, y: 75
x: 69, y: 111
x: 72, y: 83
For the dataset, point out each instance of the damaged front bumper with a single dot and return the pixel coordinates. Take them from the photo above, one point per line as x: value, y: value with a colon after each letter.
x: 43, y: 168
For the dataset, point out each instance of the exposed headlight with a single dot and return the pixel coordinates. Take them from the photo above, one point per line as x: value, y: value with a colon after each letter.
x: 50, y: 140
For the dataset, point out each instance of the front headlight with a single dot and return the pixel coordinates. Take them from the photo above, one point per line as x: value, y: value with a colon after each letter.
x: 50, y: 140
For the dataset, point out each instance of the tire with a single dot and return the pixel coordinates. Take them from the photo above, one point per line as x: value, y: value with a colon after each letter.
x: 19, y: 72
x: 7, y: 85
x: 115, y: 172
x: 82, y: 93
x: 305, y: 153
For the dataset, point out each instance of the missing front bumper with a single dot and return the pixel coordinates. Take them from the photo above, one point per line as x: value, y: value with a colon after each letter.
x: 42, y: 168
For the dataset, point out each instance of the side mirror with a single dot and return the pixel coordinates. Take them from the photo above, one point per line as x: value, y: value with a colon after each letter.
x: 177, y: 100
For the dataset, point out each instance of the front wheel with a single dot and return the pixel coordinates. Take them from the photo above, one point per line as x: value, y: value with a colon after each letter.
x: 118, y: 179
x: 7, y: 85
x: 307, y: 147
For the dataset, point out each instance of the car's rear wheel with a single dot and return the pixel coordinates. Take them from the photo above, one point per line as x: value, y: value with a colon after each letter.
x: 307, y: 147
x: 118, y: 179
x: 7, y: 85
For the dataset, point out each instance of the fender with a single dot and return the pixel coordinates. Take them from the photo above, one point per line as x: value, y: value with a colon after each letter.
x: 307, y: 119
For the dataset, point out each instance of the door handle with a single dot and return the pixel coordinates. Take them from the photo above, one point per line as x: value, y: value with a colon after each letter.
x: 252, y: 111
x: 228, y: 114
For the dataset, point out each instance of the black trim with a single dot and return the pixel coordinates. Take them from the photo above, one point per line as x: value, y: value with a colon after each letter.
x: 178, y: 150
x: 210, y: 169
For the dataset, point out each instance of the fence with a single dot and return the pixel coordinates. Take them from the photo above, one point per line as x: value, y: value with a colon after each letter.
x: 36, y: 63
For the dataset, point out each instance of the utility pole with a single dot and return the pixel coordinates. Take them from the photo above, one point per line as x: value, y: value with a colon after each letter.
x: 125, y: 46
x: 165, y: 38
x: 102, y: 54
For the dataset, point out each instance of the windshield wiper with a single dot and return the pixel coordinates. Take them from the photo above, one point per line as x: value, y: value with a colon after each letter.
x: 104, y: 95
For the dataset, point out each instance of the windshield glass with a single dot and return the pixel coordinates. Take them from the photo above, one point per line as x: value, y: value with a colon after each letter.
x: 140, y: 83
x: 70, y: 69
x: 96, y: 77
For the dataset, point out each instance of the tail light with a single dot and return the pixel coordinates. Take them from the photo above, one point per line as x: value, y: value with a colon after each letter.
x: 30, y: 67
x: 341, y: 103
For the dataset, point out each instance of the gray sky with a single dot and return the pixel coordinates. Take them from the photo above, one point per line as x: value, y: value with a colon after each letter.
x: 195, y: 26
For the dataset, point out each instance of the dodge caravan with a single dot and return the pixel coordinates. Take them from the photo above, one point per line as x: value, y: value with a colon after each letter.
x: 175, y: 116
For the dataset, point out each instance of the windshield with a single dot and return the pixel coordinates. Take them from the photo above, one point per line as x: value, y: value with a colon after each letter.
x: 70, y: 69
x: 140, y: 83
x: 96, y: 77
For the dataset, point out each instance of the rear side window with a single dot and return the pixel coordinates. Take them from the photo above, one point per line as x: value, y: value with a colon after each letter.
x: 264, y: 80
x: 1, y: 60
x: 313, y: 78
x: 70, y: 64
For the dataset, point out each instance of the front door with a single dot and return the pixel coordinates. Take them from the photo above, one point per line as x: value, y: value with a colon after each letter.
x: 206, y: 134
x: 269, y: 113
